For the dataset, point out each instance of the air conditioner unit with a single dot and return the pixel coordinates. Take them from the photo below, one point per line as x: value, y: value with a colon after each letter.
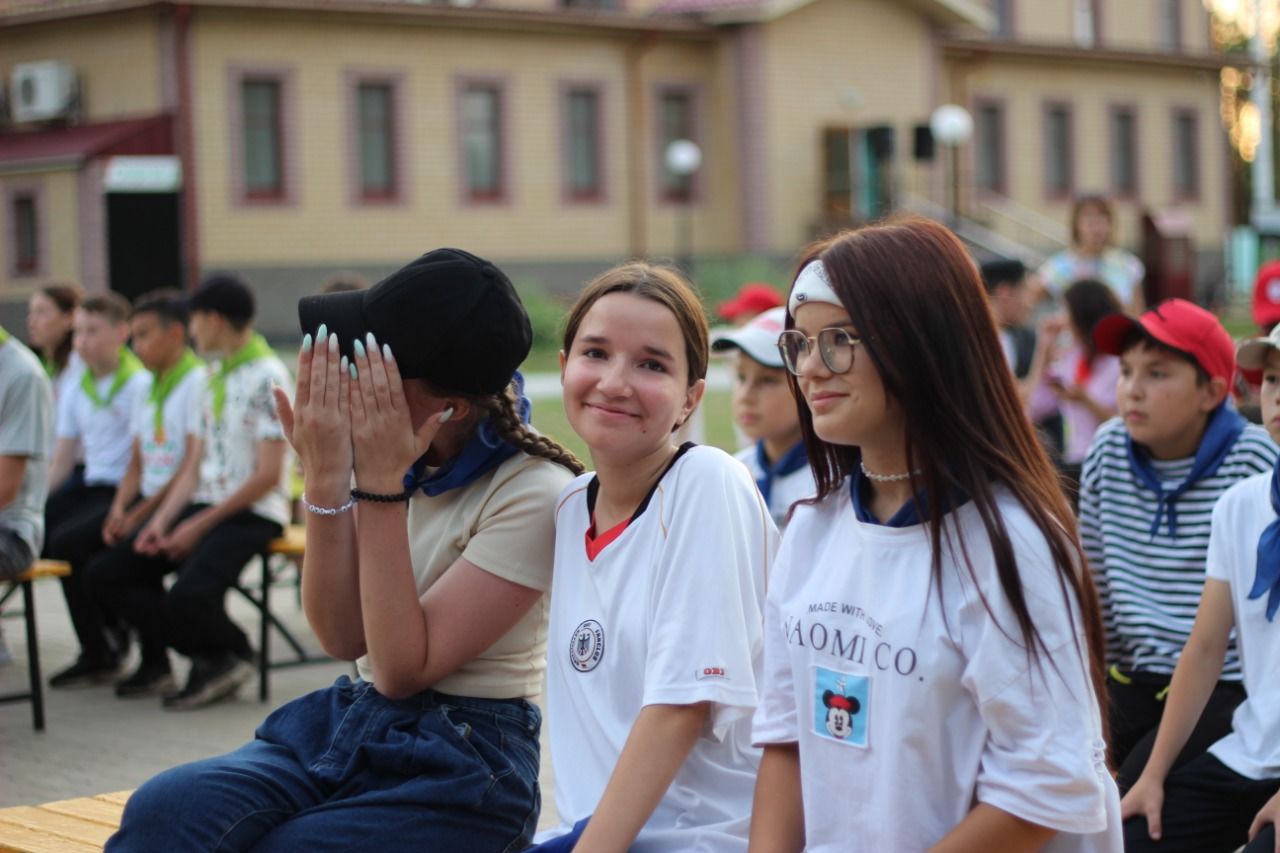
x: 39, y: 91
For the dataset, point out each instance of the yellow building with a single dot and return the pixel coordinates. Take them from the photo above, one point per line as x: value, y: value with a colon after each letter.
x: 149, y: 143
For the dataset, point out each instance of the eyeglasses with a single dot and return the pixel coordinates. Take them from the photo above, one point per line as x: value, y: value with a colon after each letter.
x: 834, y: 345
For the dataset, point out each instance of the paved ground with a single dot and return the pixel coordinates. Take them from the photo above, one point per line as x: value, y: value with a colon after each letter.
x: 95, y: 743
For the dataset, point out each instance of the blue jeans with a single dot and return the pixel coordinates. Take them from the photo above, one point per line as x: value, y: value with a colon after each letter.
x: 347, y: 769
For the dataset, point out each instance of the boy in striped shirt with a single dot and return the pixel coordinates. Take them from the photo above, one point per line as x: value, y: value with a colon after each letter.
x: 1147, y: 492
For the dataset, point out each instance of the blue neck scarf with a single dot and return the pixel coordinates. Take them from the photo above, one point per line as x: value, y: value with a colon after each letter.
x: 1224, y: 427
x: 1267, y: 578
x: 792, y: 461
x: 483, y: 452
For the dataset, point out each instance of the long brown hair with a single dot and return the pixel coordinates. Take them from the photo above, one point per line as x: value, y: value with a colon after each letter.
x: 663, y: 285
x: 66, y: 297
x: 924, y: 320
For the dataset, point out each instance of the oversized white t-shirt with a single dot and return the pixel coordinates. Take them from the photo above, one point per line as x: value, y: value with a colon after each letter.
x: 786, y: 489
x: 667, y: 613
x: 162, y: 450
x: 231, y: 442
x: 103, y: 431
x: 911, y: 707
x: 1252, y: 748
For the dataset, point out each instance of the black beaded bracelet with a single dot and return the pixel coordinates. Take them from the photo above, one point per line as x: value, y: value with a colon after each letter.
x: 374, y: 497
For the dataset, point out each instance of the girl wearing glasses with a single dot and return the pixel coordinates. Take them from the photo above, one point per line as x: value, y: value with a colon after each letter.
x: 661, y: 555
x: 932, y: 645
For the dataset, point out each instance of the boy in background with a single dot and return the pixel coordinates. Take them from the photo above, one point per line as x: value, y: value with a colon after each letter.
x: 1148, y: 487
x: 765, y: 411
x: 230, y: 498
x: 94, y: 415
x: 166, y: 430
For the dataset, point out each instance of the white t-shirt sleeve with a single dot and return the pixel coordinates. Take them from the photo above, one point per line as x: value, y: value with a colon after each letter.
x: 1224, y: 536
x: 196, y: 405
x: 66, y: 424
x: 1043, y: 760
x: 776, y: 717
x: 189, y: 407
x: 705, y: 629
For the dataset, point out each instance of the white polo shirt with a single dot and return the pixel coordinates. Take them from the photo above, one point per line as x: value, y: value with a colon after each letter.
x: 162, y: 450
x: 667, y: 613
x: 1252, y: 748
x: 910, y: 706
x: 103, y: 431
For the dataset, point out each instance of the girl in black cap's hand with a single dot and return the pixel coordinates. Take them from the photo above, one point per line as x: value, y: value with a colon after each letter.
x: 319, y: 426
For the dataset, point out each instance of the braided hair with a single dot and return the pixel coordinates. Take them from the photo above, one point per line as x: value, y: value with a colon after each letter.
x: 501, y: 409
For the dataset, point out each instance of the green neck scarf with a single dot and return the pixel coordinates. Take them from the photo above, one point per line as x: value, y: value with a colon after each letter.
x: 4, y: 336
x: 164, y: 383
x: 50, y: 367
x: 257, y: 348
x: 128, y: 366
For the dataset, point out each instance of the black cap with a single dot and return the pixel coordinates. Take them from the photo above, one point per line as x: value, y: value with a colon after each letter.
x: 226, y: 295
x: 449, y: 317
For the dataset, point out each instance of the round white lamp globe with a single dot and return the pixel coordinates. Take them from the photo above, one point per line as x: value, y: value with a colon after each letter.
x: 683, y: 157
x: 951, y: 124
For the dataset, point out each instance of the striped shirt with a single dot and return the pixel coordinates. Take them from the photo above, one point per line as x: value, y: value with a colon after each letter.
x: 1150, y: 585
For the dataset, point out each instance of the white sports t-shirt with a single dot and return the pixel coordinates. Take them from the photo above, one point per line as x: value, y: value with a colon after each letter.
x: 103, y: 431
x: 1252, y: 748
x: 786, y: 489
x: 162, y: 451
x: 667, y: 613
x: 911, y: 707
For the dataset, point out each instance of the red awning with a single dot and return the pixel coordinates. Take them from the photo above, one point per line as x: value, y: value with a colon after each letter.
x: 71, y: 146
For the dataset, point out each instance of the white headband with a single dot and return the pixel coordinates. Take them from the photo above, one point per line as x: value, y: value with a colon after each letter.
x: 812, y: 285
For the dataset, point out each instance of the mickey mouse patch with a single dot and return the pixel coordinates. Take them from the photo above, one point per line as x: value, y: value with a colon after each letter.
x: 841, y: 706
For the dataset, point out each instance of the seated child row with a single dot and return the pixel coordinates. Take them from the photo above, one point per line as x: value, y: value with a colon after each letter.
x: 929, y: 669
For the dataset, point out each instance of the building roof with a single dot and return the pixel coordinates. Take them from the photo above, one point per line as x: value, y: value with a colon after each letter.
x: 949, y: 12
x: 72, y: 145
x: 961, y: 46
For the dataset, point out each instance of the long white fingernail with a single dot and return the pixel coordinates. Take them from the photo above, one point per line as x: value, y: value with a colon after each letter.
x: 446, y: 414
x: 333, y: 343
x: 352, y: 368
x: 342, y: 365
x: 386, y: 351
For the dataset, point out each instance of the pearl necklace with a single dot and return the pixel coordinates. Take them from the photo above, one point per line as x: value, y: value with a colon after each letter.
x: 887, y: 478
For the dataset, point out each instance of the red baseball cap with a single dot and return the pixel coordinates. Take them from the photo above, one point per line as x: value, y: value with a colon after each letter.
x: 1179, y: 324
x: 1266, y: 295
x: 753, y: 298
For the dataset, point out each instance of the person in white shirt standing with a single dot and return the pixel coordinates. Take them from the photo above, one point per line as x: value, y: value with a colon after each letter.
x: 229, y: 499
x: 1230, y: 794
x: 166, y: 430
x: 661, y: 559
x: 93, y: 417
x: 933, y: 643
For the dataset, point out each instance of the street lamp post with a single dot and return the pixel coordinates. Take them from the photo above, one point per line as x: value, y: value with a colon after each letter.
x: 952, y: 126
x: 683, y: 157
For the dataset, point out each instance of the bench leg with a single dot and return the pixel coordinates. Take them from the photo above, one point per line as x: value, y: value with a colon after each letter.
x: 264, y: 634
x: 33, y: 657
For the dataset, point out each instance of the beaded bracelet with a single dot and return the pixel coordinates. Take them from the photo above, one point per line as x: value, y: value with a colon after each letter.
x: 374, y: 497
x: 326, y: 510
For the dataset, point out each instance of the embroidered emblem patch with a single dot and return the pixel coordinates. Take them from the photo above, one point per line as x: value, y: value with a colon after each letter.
x: 841, y: 706
x: 586, y: 649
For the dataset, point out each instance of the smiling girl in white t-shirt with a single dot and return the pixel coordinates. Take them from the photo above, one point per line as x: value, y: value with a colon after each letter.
x: 932, y: 645
x: 661, y: 558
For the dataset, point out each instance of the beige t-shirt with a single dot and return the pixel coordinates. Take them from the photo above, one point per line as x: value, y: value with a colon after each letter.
x: 503, y: 523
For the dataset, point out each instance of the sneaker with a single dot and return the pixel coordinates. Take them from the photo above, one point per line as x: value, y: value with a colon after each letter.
x: 211, y: 681
x: 85, y: 672
x: 146, y: 681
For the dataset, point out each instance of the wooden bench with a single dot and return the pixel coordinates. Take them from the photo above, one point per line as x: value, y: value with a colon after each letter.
x: 290, y: 548
x: 67, y: 825
x: 35, y: 693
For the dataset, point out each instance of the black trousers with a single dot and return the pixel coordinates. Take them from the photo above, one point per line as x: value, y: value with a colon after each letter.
x: 73, y: 521
x: 1208, y: 807
x: 1136, y: 709
x: 191, y: 616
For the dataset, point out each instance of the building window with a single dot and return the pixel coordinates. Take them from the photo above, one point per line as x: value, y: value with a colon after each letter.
x: 482, y: 141
x: 26, y: 235
x: 675, y: 121
x: 1087, y: 22
x: 989, y: 150
x: 1170, y: 25
x: 263, y: 151
x: 1002, y: 11
x: 375, y: 104
x: 1124, y: 152
x: 837, y: 173
x: 1186, y: 173
x: 590, y: 4
x: 584, y: 179
x: 1058, y: 151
